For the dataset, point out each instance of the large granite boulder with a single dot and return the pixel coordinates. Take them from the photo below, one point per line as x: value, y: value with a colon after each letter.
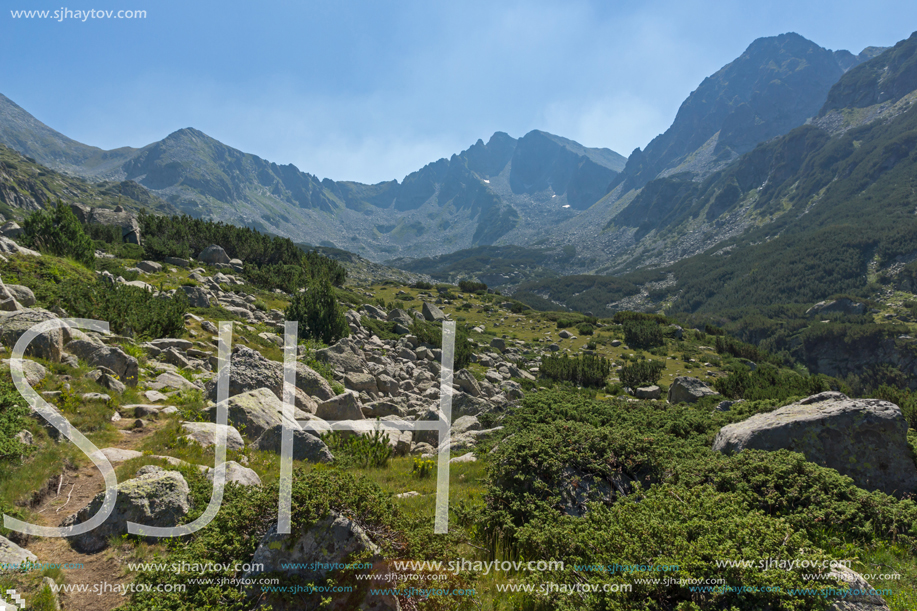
x: 306, y: 446
x: 343, y: 356
x: 467, y: 382
x: 99, y: 355
x: 865, y: 439
x: 127, y: 221
x: 12, y: 556
x: 314, y: 550
x: 22, y: 294
x: 213, y: 254
x: 236, y: 474
x: 48, y: 345
x: 254, y: 412
x: 157, y: 498
x: 688, y: 390
x: 205, y: 434
x: 345, y: 406
x: 432, y: 313
x: 197, y: 297
x: 9, y: 247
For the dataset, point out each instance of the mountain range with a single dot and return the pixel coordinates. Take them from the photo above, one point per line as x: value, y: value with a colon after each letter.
x: 763, y: 149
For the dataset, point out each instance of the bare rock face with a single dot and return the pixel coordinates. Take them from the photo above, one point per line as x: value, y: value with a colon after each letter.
x: 688, y: 390
x: 865, y: 439
x: 159, y: 498
x: 257, y: 411
x: 865, y: 601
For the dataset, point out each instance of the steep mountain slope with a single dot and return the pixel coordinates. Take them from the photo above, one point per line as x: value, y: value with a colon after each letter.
x: 26, y: 186
x: 24, y: 133
x: 774, y: 86
x: 826, y: 210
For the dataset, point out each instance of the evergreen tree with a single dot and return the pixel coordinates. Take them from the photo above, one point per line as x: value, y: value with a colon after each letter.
x: 59, y: 232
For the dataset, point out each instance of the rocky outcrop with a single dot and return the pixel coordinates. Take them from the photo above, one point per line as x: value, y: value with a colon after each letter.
x: 124, y: 366
x: 48, y: 345
x: 688, y: 390
x: 841, y: 306
x: 157, y: 498
x: 12, y: 556
x: 865, y: 439
x: 236, y: 474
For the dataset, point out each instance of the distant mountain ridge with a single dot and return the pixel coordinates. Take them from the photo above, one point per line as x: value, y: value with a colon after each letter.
x: 774, y: 86
x: 474, y: 198
x: 543, y: 194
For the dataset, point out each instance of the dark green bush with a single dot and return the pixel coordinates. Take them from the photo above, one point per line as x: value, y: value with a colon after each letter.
x: 584, y: 370
x: 470, y: 286
x: 58, y: 232
x: 769, y: 382
x: 641, y: 373
x: 432, y: 333
x: 643, y: 334
x: 585, y: 328
x: 13, y: 411
x: 127, y: 309
x: 359, y: 450
x: 318, y: 312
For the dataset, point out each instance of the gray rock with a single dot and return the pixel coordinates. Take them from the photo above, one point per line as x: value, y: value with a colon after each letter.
x: 96, y: 396
x: 9, y: 247
x: 306, y: 446
x: 107, y: 380
x: 150, y: 267
x: 154, y: 396
x: 498, y: 343
x: 236, y: 474
x: 360, y: 382
x: 553, y: 347
x: 342, y: 356
x: 114, y: 358
x: 615, y: 343
x: 564, y: 334
x: 648, y: 392
x: 197, y: 297
x: 345, y: 406
x: 177, y: 262
x: 166, y: 343
x: 465, y: 424
x: 22, y: 294
x: 155, y: 499
x: 12, y: 554
x: 254, y: 412
x: 332, y: 540
x: 432, y: 313
x: 11, y: 229
x: 865, y: 439
x: 401, y: 317
x: 388, y: 385
x: 25, y: 438
x: 209, y: 327
x: 205, y: 434
x: 172, y: 381
x: 48, y: 345
x: 688, y: 390
x: 250, y: 370
x: 213, y: 254
x: 467, y: 382
x: 34, y: 372
x: 854, y: 582
x: 378, y: 409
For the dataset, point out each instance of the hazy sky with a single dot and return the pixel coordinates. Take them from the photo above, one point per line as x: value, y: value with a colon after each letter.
x: 374, y: 90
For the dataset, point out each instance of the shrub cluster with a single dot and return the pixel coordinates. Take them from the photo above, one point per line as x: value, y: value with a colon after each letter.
x: 643, y: 334
x: 318, y: 312
x: 584, y: 370
x: 129, y: 310
x: 641, y: 373
x: 470, y: 286
x: 57, y: 231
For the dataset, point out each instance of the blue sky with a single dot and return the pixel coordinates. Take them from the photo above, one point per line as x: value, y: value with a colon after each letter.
x: 374, y: 90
